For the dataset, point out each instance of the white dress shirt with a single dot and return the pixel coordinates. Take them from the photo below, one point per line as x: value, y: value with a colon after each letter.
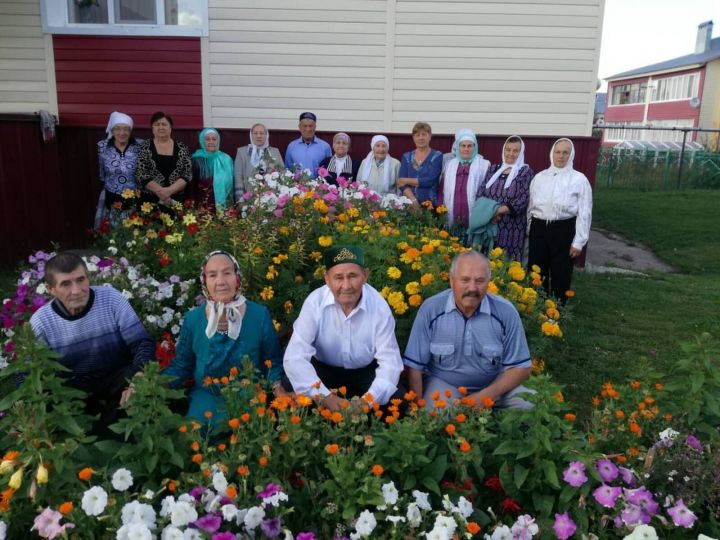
x: 557, y: 194
x: 323, y: 331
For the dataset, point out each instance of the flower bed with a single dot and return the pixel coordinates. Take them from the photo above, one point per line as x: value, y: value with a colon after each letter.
x: 284, y: 468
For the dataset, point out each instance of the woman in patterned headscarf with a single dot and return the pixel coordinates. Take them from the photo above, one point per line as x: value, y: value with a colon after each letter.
x: 509, y: 184
x: 216, y: 336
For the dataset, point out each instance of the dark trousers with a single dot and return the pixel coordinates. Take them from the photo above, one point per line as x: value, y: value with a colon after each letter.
x: 549, y: 246
x: 104, y: 397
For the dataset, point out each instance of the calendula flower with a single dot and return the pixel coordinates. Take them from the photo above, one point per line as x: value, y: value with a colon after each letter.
x: 412, y: 287
x: 394, y: 272
x: 325, y: 241
x: 267, y: 293
x: 377, y: 470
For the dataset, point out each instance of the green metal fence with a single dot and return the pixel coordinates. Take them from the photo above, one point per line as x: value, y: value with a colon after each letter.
x: 656, y: 170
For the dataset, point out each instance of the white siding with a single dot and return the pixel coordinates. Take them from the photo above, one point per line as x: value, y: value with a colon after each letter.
x: 26, y: 66
x: 525, y: 66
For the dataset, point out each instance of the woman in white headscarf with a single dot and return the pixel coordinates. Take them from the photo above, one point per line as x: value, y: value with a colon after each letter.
x: 379, y: 170
x: 461, y: 178
x: 560, y: 211
x: 117, y: 157
x: 217, y: 336
x: 258, y: 156
x: 340, y: 164
x: 508, y: 183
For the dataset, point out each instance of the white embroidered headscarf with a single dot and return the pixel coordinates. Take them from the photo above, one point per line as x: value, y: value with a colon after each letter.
x: 568, y: 168
x: 115, y: 119
x: 478, y: 169
x: 233, y: 310
x: 257, y: 151
x: 515, y: 167
x: 369, y: 161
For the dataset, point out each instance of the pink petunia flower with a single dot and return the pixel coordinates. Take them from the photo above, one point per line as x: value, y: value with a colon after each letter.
x: 681, y: 515
x: 575, y: 474
x: 607, y: 496
x: 607, y: 470
x: 47, y: 524
x: 564, y: 526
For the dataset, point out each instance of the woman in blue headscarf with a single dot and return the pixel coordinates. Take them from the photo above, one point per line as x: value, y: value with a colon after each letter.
x: 461, y: 178
x: 213, y: 170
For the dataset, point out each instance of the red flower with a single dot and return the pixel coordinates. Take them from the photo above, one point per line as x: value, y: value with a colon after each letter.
x: 509, y: 505
x: 188, y: 203
x: 104, y: 226
x: 192, y: 228
x: 494, y: 483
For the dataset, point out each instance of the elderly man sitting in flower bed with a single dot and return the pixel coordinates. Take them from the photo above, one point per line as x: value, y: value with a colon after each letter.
x: 97, y: 333
x: 344, y: 336
x: 467, y: 340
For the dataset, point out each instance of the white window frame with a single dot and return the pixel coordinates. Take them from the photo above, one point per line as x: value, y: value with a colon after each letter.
x: 675, y: 85
x: 55, y: 20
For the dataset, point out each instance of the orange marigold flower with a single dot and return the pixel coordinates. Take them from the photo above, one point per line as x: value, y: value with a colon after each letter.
x: 231, y: 492
x: 668, y: 417
x: 342, y: 390
x: 570, y: 417
x: 263, y: 461
x: 448, y: 393
x: 234, y: 423
x: 440, y: 404
x: 234, y: 371
x: 85, y: 474
x: 195, y: 446
x: 421, y: 402
x: 233, y: 439
x: 245, y: 417
x: 260, y: 411
x: 633, y: 451
x: 462, y: 390
x: 284, y: 437
x: 65, y: 508
x: 558, y: 396
x: 11, y: 455
x: 435, y: 396
x: 595, y: 401
x: 332, y: 449
x: 464, y: 447
x: 410, y: 396
x: 621, y: 459
x: 207, y: 381
x: 172, y: 486
x: 369, y: 397
x: 472, y: 527
x: 592, y: 439
x: 197, y: 458
x: 569, y: 293
x: 183, y: 429
x: 377, y: 470
x: 222, y: 447
x: 460, y: 418
x: 243, y: 470
x: 224, y: 380
x: 303, y: 400
x: 634, y: 385
x: 326, y: 413
x: 641, y: 405
x: 450, y: 429
x: 389, y: 420
x: 336, y: 417
x: 659, y: 386
x: 649, y: 400
x: 295, y: 419
x: 208, y: 414
x: 635, y: 428
x: 488, y: 402
x: 619, y: 414
x: 378, y: 414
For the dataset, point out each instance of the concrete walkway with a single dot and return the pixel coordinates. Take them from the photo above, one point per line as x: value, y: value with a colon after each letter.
x: 609, y: 252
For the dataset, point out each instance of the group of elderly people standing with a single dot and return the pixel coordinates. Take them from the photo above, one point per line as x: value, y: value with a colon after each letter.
x: 503, y: 204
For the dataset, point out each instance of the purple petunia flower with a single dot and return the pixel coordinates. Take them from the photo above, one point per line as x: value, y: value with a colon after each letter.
x: 270, y: 490
x: 271, y: 527
x: 564, y: 526
x: 627, y: 476
x: 607, y: 470
x: 632, y: 514
x: 224, y: 536
x: 607, y: 495
x: 575, y: 474
x: 104, y: 262
x: 196, y: 493
x: 642, y: 498
x: 694, y: 443
x: 681, y: 515
x: 209, y: 523
x: 305, y: 536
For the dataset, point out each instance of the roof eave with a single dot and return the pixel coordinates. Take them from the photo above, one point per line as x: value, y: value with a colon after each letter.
x: 622, y: 76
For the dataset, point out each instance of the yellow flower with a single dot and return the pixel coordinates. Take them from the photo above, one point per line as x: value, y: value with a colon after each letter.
x: 442, y: 209
x: 496, y: 253
x: 315, y: 255
x: 412, y: 288
x: 276, y: 325
x: 284, y: 230
x: 280, y: 258
x: 426, y: 279
x: 6, y: 466
x: 320, y: 206
x: 267, y: 293
x: 535, y: 268
x: 288, y: 306
x: 146, y: 207
x: 16, y: 479
x: 553, y: 313
x: 400, y: 308
x: 427, y: 249
x: 174, y: 238
x: 353, y: 212
x: 402, y: 246
x: 415, y: 300
x: 549, y: 304
x: 319, y: 272
x: 492, y: 288
x: 516, y: 272
x: 257, y: 250
x: 42, y: 474
x: 325, y: 241
x: 394, y: 272
x: 167, y: 220
x: 385, y: 291
x: 189, y: 219
x: 538, y: 366
x: 394, y: 298
x: 151, y: 234
x: 128, y: 194
x: 272, y: 273
x: 551, y: 329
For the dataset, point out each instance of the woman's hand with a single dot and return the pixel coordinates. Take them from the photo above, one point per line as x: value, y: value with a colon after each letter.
x: 499, y: 213
x: 575, y: 252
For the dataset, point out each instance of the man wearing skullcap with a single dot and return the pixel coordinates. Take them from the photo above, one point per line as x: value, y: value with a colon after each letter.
x: 344, y: 336
x: 307, y: 151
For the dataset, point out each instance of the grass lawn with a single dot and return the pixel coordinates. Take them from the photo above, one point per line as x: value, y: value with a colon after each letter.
x: 619, y: 323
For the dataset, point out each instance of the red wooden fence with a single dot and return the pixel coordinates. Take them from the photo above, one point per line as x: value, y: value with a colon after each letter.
x: 48, y: 190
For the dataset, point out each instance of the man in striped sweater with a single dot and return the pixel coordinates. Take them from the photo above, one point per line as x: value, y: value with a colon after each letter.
x: 97, y: 332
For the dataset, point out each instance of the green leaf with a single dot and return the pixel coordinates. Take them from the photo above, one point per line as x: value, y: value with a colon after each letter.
x: 551, y: 473
x: 430, y: 485
x: 520, y: 475
x: 436, y: 470
x: 505, y: 447
x: 543, y: 504
x: 151, y: 462
x: 409, y: 482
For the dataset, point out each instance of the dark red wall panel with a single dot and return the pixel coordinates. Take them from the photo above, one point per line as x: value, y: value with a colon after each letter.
x: 136, y: 75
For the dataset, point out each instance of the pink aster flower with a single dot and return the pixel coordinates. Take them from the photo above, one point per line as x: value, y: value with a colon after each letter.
x: 564, y: 526
x: 607, y: 495
x: 607, y: 470
x: 575, y: 474
x: 681, y: 515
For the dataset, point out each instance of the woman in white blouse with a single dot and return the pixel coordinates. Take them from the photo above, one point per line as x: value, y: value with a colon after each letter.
x: 559, y: 215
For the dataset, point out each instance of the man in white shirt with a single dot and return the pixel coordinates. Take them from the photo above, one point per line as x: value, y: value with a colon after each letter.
x: 344, y: 336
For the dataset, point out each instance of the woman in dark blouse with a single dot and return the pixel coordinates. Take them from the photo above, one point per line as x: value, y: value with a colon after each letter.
x: 420, y: 168
x: 164, y: 167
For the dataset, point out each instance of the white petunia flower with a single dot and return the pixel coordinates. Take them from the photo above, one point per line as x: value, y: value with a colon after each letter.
x: 642, y: 532
x: 136, y: 512
x: 421, y: 499
x: 275, y: 499
x: 3, y: 530
x: 134, y: 531
x: 413, y: 514
x: 193, y: 534
x: 172, y: 533
x: 253, y: 518
x: 365, y: 524
x: 149, y: 494
x: 501, y: 533
x: 182, y: 513
x: 464, y: 507
x: 219, y: 481
x: 229, y: 512
x: 94, y: 501
x: 390, y: 493
x: 524, y: 526
x: 395, y: 519
x: 668, y: 435
x: 122, y: 480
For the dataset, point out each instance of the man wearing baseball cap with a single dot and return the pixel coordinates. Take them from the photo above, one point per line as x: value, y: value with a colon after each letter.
x: 307, y: 151
x: 344, y: 336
